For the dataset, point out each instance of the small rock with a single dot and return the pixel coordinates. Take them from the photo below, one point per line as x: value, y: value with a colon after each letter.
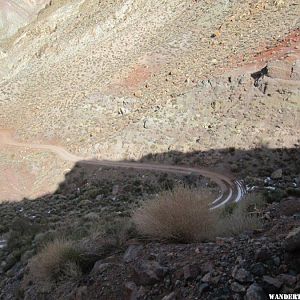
x: 100, y: 267
x: 149, y: 272
x: 277, y: 174
x: 263, y: 254
x: 131, y: 253
x: 130, y: 291
x: 279, y: 69
x: 81, y: 293
x: 276, y: 260
x: 207, y: 267
x: 237, y: 287
x: 206, y: 278
x: 99, y: 197
x: 242, y: 275
x: 271, y: 284
x: 255, y: 292
x: 138, y: 94
x: 115, y: 189
x: 258, y: 269
x: 292, y: 241
x: 141, y: 292
x: 287, y: 279
x: 123, y: 111
x: 191, y: 271
x: 171, y: 296
x: 203, y: 288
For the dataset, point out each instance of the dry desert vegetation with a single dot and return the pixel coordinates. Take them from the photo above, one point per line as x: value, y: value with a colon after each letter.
x: 149, y: 149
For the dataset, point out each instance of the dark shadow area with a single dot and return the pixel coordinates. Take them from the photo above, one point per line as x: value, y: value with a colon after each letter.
x: 93, y: 194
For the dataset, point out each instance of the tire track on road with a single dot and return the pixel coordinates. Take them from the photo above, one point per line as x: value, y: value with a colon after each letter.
x: 231, y: 190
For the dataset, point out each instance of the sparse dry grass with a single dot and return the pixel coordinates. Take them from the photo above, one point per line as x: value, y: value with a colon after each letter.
x: 183, y: 215
x: 63, y: 260
x: 57, y: 259
x: 237, y: 223
x: 243, y: 217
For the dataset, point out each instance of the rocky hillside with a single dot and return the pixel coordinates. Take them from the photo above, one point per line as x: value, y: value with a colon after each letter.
x: 93, y: 75
x: 195, y: 83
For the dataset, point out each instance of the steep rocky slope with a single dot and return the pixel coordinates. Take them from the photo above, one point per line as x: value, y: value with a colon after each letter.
x: 124, y: 79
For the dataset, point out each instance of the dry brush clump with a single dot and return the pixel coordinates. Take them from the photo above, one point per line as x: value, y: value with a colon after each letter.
x: 57, y: 259
x: 181, y: 215
x: 66, y: 260
x: 184, y: 215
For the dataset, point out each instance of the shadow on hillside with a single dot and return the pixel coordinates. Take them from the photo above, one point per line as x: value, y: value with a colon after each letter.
x: 91, y: 182
x: 92, y: 194
x: 113, y: 192
x: 251, y: 165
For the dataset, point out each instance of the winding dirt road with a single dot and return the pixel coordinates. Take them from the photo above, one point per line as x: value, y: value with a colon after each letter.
x: 230, y: 190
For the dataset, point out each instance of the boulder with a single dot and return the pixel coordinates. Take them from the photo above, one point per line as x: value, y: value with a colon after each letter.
x: 81, y: 293
x: 130, y: 291
x: 287, y: 279
x: 242, y: 275
x: 258, y: 269
x: 296, y: 70
x: 292, y: 241
x: 271, y: 284
x: 279, y: 69
x: 149, y: 272
x: 191, y: 271
x: 203, y: 287
x: 131, y: 253
x: 100, y: 267
x: 263, y: 254
x: 171, y: 296
x: 237, y: 287
x: 255, y: 292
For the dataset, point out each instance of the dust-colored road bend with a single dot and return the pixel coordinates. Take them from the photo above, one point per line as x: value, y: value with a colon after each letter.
x: 230, y: 190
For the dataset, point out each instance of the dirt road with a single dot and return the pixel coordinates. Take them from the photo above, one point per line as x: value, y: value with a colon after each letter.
x: 231, y: 190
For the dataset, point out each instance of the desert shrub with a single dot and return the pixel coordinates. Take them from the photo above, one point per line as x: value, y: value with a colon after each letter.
x: 293, y: 191
x: 58, y: 259
x: 228, y: 209
x: 108, y: 236
x: 237, y: 218
x: 274, y: 195
x: 181, y: 215
x: 119, y: 231
x: 184, y: 215
x: 252, y: 203
x: 66, y: 259
x: 236, y: 223
x: 22, y: 232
